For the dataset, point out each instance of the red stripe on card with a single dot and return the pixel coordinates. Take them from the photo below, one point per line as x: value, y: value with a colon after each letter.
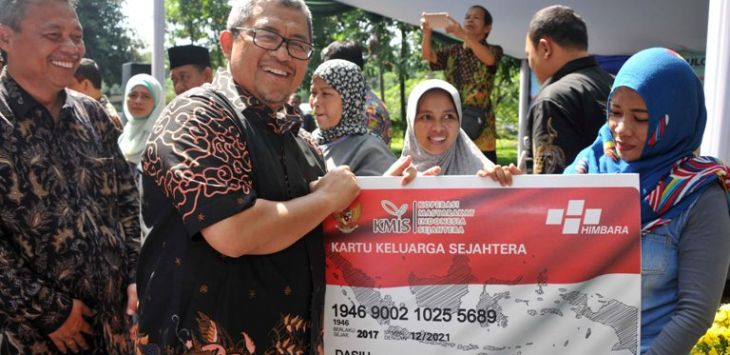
x: 506, y: 242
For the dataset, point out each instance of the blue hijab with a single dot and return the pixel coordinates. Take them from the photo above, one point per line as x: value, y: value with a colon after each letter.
x: 671, y: 176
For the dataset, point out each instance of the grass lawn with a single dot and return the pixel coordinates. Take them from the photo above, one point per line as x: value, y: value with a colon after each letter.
x: 506, y: 150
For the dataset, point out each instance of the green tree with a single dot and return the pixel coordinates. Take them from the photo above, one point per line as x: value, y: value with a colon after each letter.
x: 108, y: 41
x: 506, y: 97
x: 197, y: 22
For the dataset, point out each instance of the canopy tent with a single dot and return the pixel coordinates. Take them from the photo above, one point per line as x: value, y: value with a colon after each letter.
x: 614, y: 27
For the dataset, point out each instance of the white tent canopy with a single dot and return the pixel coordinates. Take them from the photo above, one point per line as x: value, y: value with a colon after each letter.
x: 614, y: 27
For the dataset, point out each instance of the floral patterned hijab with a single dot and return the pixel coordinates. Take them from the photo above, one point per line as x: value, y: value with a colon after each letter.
x: 462, y: 158
x: 347, y: 79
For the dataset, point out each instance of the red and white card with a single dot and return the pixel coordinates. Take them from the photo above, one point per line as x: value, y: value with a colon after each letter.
x: 459, y: 265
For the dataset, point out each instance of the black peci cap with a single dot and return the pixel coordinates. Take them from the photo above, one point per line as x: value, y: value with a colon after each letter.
x: 189, y: 54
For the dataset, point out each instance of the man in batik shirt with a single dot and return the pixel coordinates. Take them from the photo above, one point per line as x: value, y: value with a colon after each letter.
x: 69, y: 231
x: 471, y: 68
x: 87, y: 81
x: 234, y: 260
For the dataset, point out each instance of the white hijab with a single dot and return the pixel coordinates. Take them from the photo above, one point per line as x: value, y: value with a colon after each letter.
x: 133, y: 139
x: 462, y: 158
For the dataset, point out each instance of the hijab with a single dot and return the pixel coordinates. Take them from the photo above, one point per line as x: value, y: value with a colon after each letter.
x: 133, y: 139
x: 347, y: 79
x: 462, y: 158
x: 672, y: 178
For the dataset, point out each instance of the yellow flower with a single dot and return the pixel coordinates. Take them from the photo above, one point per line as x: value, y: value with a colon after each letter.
x: 715, y: 341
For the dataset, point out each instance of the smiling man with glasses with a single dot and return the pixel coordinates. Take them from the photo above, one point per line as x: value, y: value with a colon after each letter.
x: 271, y: 40
x: 234, y: 194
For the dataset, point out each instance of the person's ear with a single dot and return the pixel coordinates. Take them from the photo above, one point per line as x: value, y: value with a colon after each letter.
x: 208, y: 74
x: 5, y: 36
x: 226, y: 41
x: 545, y: 48
x: 487, y: 30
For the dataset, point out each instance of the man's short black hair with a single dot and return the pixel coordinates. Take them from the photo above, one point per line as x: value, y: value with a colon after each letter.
x: 562, y: 25
x: 345, y: 50
x: 90, y: 71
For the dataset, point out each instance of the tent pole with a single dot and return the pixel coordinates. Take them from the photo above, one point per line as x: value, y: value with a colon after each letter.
x: 523, y: 106
x: 716, y: 140
x: 158, y: 42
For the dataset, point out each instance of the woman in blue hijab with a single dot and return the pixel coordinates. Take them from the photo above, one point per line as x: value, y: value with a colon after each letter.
x: 656, y: 119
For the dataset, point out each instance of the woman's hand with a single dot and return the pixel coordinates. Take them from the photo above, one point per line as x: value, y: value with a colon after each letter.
x: 403, y: 167
x: 501, y: 174
x: 425, y: 26
x: 455, y: 29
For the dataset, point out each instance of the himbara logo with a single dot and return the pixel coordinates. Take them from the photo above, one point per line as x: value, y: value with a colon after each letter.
x: 397, y: 224
x: 577, y: 219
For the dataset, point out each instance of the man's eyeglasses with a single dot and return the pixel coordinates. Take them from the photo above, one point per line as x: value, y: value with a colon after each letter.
x: 272, y: 41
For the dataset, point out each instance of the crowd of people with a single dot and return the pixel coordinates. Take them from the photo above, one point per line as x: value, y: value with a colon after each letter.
x: 150, y: 231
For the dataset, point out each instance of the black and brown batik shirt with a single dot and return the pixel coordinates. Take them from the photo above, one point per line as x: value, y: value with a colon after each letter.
x: 475, y: 82
x: 69, y: 225
x: 213, y: 152
x: 566, y: 115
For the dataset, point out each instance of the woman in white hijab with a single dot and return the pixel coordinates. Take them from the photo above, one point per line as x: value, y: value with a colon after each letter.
x: 434, y: 136
x: 143, y: 102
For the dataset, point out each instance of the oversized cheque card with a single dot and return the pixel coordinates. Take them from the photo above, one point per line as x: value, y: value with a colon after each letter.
x: 459, y: 265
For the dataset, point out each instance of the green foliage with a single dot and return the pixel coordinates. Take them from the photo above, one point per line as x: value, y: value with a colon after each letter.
x: 506, y: 97
x: 373, y: 32
x: 506, y: 151
x: 197, y: 22
x: 108, y: 41
x: 392, y: 95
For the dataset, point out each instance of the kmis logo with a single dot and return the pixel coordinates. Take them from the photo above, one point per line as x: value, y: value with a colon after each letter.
x: 397, y: 224
x: 347, y: 219
x: 577, y: 219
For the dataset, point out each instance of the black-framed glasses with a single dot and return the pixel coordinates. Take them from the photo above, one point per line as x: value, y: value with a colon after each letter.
x: 271, y: 40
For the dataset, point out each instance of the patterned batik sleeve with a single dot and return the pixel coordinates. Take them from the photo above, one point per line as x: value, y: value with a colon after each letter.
x: 550, y: 131
x: 24, y: 296
x: 127, y: 193
x: 442, y: 57
x: 498, y: 53
x: 199, y: 159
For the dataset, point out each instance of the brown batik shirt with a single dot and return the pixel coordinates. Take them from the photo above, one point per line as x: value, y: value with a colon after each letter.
x: 475, y: 82
x: 69, y: 224
x: 214, y: 151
